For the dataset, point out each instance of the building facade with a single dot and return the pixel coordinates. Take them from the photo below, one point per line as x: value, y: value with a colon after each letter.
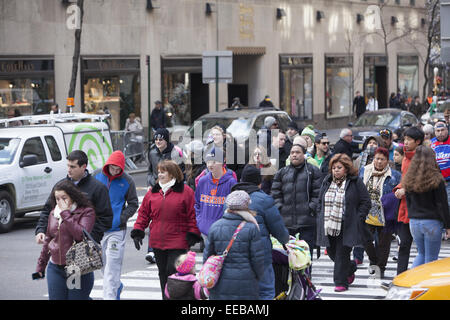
x: 309, y: 56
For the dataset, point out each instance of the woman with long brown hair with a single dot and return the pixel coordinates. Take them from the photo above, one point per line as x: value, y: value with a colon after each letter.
x: 426, y: 200
x: 72, y: 212
x: 343, y: 206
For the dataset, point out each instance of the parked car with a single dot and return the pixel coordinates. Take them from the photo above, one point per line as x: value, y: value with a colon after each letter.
x: 430, y: 281
x: 33, y: 158
x: 438, y: 113
x: 239, y: 122
x: 371, y: 122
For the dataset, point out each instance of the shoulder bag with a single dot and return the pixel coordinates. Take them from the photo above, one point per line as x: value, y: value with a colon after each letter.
x: 84, y: 257
x: 210, y: 273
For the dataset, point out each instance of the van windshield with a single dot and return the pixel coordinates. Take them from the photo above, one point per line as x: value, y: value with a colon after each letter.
x: 8, y: 148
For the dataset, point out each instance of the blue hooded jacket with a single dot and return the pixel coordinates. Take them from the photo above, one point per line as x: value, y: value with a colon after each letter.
x: 210, y: 199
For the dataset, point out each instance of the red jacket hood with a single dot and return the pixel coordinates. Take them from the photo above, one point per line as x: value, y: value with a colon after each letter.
x: 116, y: 158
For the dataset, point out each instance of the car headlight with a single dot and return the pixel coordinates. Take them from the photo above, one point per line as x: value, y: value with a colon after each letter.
x: 402, y: 293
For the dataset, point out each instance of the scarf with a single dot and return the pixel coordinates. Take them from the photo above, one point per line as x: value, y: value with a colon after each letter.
x: 367, y: 156
x: 334, y: 207
x: 247, y: 216
x: 374, y: 181
x: 57, y: 212
x: 167, y: 186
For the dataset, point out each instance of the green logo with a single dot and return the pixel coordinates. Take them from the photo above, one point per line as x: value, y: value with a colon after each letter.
x: 94, y: 144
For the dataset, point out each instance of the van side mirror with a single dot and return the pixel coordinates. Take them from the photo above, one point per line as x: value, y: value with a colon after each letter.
x: 28, y: 160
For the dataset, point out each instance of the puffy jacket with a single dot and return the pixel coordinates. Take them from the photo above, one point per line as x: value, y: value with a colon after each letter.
x: 357, y: 205
x: 296, y: 194
x: 244, y: 264
x: 122, y: 191
x: 184, y: 287
x: 269, y: 219
x: 210, y: 198
x: 155, y: 156
x: 171, y: 215
x: 403, y: 210
x: 97, y: 194
x: 59, y: 238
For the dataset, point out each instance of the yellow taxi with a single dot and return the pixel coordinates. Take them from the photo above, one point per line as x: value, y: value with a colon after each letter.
x: 430, y: 281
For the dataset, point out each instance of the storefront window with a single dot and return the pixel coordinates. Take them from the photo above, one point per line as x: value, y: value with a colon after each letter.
x: 112, y: 86
x: 26, y: 86
x: 408, y: 75
x: 296, y: 86
x: 338, y: 86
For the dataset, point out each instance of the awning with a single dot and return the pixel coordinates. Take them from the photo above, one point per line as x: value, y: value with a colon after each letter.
x: 248, y: 51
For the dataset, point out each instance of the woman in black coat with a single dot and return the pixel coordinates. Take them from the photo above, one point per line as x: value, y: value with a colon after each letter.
x: 343, y: 206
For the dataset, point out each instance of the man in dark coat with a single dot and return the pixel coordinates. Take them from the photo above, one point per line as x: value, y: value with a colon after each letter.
x: 295, y: 189
x: 359, y: 104
x: 96, y: 192
x: 163, y: 149
x: 157, y: 117
x: 344, y: 144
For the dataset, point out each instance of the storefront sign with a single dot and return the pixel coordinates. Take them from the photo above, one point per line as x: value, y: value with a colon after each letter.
x: 25, y: 66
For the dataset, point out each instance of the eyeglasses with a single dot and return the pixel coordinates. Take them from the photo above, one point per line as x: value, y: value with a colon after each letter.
x: 325, y: 143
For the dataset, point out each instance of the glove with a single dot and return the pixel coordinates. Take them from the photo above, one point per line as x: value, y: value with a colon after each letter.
x: 137, y: 236
x: 192, y: 238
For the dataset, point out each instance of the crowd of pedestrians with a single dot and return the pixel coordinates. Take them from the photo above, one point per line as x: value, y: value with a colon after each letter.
x: 290, y: 183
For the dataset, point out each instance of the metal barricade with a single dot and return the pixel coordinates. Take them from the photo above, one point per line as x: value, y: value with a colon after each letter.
x: 132, y: 145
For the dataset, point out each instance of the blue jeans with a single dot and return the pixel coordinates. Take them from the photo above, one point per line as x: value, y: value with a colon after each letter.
x: 58, y: 288
x: 267, y: 284
x: 427, y: 235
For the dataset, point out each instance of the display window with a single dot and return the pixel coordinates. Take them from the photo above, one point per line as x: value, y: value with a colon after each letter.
x: 338, y: 86
x: 26, y: 87
x: 408, y: 76
x: 112, y: 86
x: 296, y: 83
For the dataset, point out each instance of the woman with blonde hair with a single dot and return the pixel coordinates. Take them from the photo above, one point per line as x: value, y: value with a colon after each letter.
x: 343, y: 206
x: 260, y: 160
x: 426, y: 200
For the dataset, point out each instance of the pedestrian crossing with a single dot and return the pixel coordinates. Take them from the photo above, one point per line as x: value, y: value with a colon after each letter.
x: 144, y: 284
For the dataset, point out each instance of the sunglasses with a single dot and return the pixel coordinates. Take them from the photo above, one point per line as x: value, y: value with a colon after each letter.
x: 325, y: 143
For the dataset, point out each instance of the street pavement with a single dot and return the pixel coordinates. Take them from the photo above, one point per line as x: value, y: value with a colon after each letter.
x: 19, y: 253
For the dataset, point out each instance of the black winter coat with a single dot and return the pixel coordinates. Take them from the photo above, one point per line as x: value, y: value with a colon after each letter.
x: 357, y: 205
x: 343, y: 146
x: 98, y: 195
x: 296, y: 194
x: 155, y: 156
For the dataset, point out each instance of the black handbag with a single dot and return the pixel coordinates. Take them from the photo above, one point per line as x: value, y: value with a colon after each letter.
x: 84, y: 257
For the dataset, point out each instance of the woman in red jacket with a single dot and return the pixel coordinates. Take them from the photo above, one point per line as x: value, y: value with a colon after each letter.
x: 169, y: 206
x: 71, y: 214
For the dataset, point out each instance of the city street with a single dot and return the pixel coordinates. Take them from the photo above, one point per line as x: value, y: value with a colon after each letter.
x: 19, y: 254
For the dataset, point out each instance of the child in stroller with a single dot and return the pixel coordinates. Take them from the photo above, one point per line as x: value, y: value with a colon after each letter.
x: 293, y: 263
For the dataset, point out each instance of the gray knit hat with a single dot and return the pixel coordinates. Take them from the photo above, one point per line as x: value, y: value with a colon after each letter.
x: 238, y: 200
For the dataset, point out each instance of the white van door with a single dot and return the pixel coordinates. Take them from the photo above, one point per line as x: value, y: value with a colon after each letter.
x: 36, y: 180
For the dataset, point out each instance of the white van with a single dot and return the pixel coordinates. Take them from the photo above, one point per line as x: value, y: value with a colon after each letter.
x: 33, y: 157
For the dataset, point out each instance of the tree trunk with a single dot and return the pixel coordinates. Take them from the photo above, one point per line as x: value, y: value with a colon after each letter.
x: 76, y: 52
